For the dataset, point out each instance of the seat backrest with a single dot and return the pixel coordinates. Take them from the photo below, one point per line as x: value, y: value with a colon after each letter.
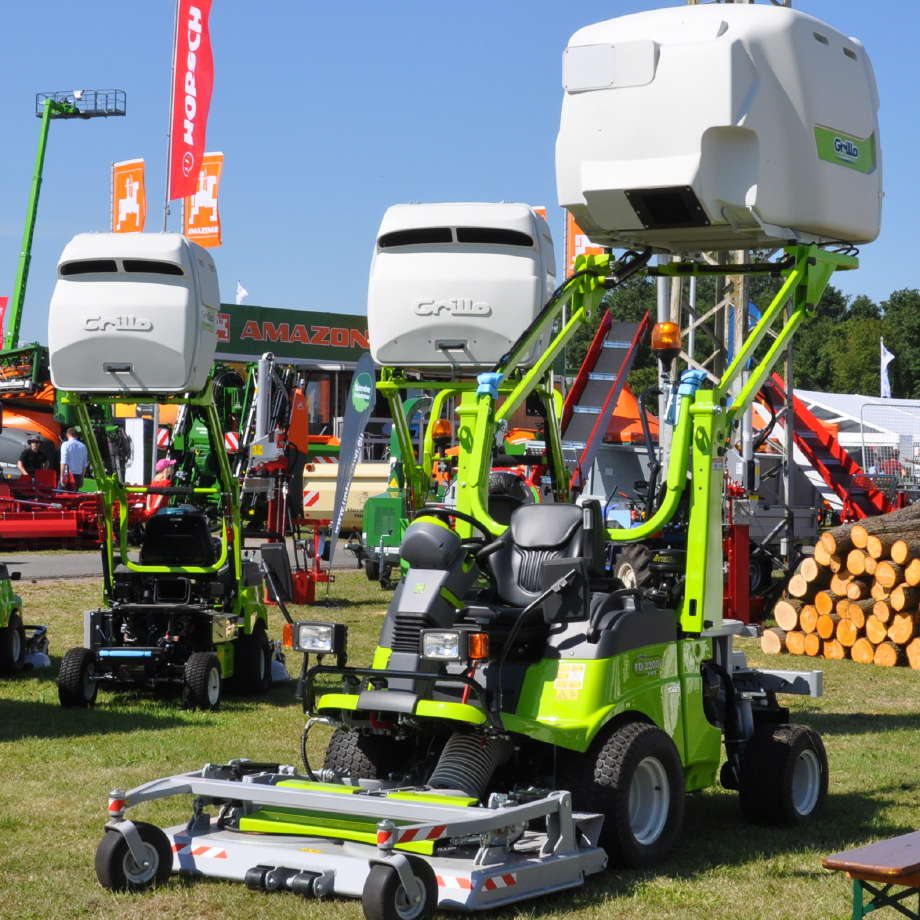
x: 539, y: 534
x: 177, y: 539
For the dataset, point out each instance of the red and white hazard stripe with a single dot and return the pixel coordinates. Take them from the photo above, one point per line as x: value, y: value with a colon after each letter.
x: 450, y: 881
x: 232, y: 440
x: 163, y: 437
x: 325, y: 459
x: 186, y: 849
x: 419, y: 834
x: 310, y: 499
x: 501, y: 881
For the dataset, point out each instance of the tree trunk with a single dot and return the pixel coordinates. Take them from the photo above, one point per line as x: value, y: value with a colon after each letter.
x: 863, y: 651
x: 888, y: 574
x: 838, y: 540
x: 902, y: 627
x: 856, y: 561
x: 912, y: 572
x: 870, y: 565
x: 822, y: 556
x: 904, y: 597
x: 842, y: 605
x: 798, y: 587
x: 876, y: 630
x: 773, y: 641
x: 827, y: 625
x: 857, y: 611
x: 826, y: 601
x: 881, y: 610
x: 813, y: 573
x: 847, y: 633
x: 834, y: 651
x: 795, y: 642
x: 808, y: 619
x: 902, y: 551
x: 858, y: 590
x: 840, y: 583
x: 812, y: 645
x: 836, y: 562
x: 879, y: 592
x: 879, y: 547
x: 786, y: 613
x: 913, y: 654
x: 889, y: 655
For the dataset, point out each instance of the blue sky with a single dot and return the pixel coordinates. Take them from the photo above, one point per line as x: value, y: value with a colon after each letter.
x: 328, y: 113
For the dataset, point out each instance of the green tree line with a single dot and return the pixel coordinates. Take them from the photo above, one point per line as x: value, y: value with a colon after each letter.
x: 837, y: 351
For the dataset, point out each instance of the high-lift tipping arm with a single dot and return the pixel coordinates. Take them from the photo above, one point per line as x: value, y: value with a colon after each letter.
x: 705, y: 420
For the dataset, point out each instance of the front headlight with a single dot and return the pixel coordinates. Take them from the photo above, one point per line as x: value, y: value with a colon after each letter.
x: 441, y: 644
x: 317, y: 638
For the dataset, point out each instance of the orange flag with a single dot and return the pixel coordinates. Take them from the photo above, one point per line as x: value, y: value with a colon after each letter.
x: 129, y: 199
x: 202, y: 221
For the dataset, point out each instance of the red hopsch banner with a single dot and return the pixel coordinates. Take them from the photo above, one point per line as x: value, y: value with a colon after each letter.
x: 193, y: 81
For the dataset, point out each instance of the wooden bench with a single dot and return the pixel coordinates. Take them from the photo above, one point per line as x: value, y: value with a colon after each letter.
x: 879, y: 868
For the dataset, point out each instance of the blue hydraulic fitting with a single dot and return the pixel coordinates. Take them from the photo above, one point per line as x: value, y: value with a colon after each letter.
x: 690, y: 382
x: 488, y: 384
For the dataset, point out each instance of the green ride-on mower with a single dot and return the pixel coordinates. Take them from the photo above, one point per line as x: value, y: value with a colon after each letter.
x: 526, y: 717
x: 188, y: 610
x: 21, y: 645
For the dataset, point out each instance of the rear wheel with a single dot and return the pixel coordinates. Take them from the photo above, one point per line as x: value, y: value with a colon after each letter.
x: 784, y: 775
x: 372, y: 568
x: 633, y: 776
x: 252, y: 662
x: 632, y: 566
x: 117, y: 869
x: 12, y: 645
x: 203, y: 682
x: 77, y: 684
x: 385, y: 898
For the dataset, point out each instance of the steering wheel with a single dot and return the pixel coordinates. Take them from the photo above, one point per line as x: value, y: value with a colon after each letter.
x: 446, y: 513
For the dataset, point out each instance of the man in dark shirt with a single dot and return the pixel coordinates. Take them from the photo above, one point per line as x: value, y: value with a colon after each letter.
x: 32, y: 459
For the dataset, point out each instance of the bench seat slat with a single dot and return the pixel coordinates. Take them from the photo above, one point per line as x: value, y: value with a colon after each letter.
x: 885, y: 861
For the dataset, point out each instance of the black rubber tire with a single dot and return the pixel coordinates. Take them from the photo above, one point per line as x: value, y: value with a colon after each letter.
x: 384, y: 897
x: 203, y: 686
x: 372, y: 569
x: 631, y: 757
x: 362, y: 756
x: 761, y: 574
x: 12, y: 645
x: 76, y: 688
x: 632, y: 566
x: 252, y: 662
x: 784, y: 775
x: 116, y: 868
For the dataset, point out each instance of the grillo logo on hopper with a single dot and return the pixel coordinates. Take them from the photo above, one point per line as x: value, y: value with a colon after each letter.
x: 846, y: 149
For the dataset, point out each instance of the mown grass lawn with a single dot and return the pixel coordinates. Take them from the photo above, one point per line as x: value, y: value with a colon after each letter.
x: 57, y: 766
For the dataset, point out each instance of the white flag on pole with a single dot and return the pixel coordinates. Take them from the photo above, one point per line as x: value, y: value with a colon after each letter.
x: 241, y: 292
x: 887, y: 358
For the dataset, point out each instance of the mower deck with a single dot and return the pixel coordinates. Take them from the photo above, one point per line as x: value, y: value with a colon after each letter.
x: 481, y: 857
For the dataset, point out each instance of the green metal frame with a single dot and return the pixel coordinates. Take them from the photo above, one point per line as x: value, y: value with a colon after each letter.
x: 247, y: 603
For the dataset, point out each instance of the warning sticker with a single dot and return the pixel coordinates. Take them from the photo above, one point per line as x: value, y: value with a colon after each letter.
x: 570, y: 678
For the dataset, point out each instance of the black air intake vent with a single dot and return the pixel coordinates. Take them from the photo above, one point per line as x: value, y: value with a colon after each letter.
x: 407, y: 631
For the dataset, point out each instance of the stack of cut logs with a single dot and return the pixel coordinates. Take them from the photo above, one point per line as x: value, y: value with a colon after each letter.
x: 858, y: 597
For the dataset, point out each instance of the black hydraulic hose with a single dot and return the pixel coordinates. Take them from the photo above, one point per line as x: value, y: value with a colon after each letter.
x: 762, y: 437
x: 654, y: 466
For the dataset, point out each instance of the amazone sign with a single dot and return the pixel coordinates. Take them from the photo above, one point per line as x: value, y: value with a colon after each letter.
x: 245, y: 333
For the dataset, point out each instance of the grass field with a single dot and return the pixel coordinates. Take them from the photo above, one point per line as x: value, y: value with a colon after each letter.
x: 57, y: 766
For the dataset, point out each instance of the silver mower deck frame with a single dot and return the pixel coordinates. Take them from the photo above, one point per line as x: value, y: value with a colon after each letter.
x: 491, y: 858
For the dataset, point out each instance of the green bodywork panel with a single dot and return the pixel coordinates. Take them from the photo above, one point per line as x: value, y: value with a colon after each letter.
x: 567, y: 702
x: 10, y: 602
x: 846, y: 150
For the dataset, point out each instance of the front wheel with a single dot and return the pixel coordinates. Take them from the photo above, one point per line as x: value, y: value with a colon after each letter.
x: 203, y: 682
x: 117, y: 869
x: 784, y: 775
x: 385, y: 898
x: 633, y: 776
x: 77, y: 684
x: 252, y: 662
x: 12, y: 645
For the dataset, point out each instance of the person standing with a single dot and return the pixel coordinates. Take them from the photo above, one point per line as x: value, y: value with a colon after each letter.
x: 73, y: 460
x: 32, y: 459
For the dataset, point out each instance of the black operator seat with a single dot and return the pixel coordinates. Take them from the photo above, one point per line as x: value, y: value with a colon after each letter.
x: 178, y: 539
x: 539, y: 534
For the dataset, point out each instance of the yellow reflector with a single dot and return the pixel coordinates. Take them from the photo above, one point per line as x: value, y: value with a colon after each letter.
x: 479, y: 646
